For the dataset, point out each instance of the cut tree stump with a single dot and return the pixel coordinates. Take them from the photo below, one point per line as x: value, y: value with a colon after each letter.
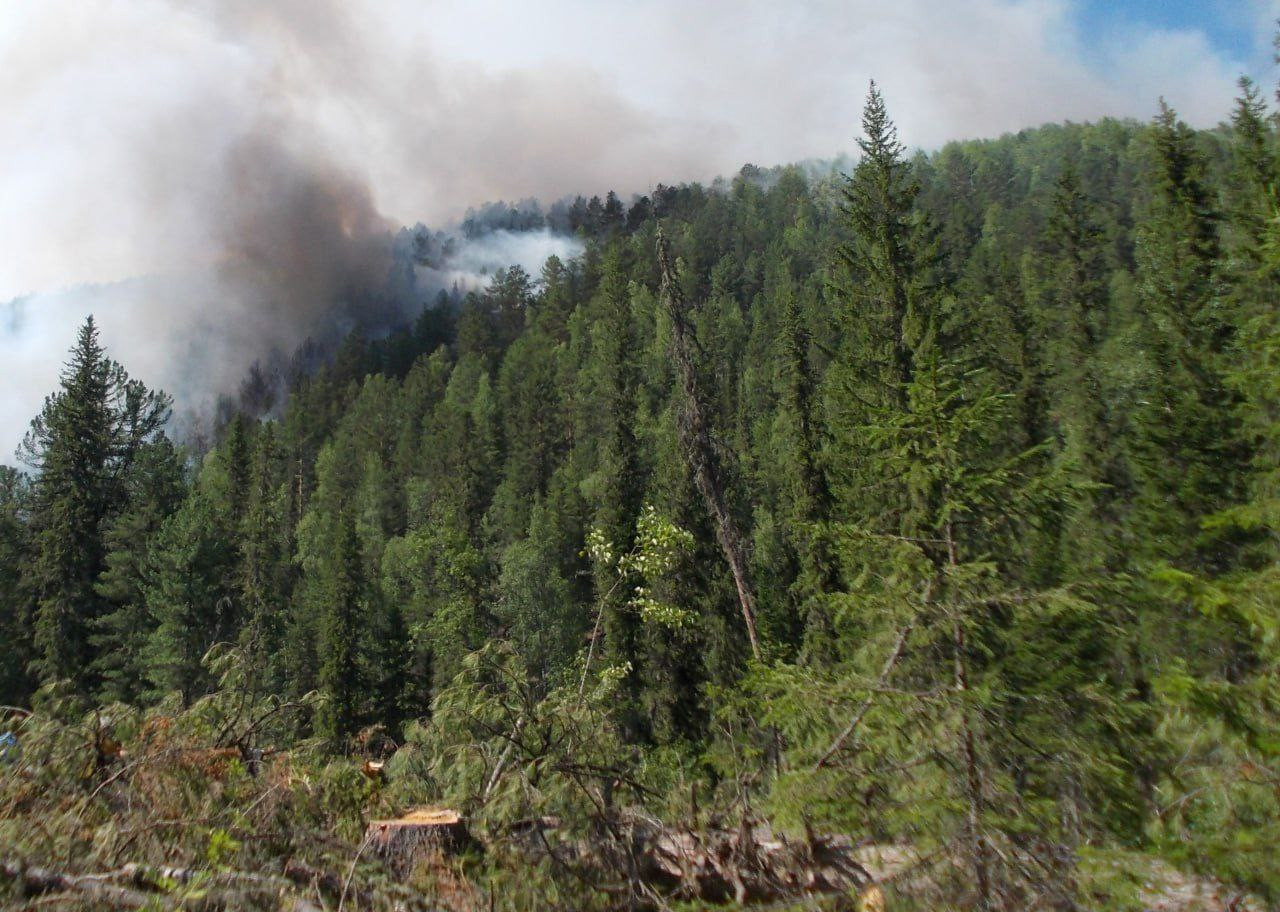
x: 403, y: 840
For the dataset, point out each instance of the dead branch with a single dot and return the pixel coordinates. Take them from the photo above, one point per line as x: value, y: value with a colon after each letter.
x: 858, y: 716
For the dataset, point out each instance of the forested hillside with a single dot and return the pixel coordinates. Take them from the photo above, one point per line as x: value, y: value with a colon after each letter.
x: 933, y: 504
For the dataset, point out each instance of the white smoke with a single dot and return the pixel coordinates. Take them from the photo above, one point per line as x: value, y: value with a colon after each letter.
x: 183, y: 334
x: 250, y: 161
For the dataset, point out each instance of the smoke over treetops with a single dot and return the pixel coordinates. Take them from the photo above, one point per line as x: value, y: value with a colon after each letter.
x: 306, y: 257
x: 219, y: 179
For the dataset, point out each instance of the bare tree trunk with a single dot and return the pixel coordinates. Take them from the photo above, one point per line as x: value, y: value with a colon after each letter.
x: 695, y: 436
x: 973, y: 774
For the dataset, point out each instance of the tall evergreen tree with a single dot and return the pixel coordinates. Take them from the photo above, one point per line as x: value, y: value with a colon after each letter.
x: 608, y: 399
x: 1188, y: 451
x: 341, y: 675
x: 120, y: 636
x: 187, y: 597
x: 1080, y: 403
x: 883, y: 270
x: 15, y: 601
x: 264, y: 576
x: 1251, y: 192
x: 83, y: 445
x: 818, y: 576
x: 887, y: 310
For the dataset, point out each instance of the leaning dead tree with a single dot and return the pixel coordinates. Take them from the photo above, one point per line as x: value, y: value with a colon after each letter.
x: 695, y: 440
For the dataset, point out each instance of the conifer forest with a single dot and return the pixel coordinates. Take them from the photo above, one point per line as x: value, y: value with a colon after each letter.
x: 895, y: 532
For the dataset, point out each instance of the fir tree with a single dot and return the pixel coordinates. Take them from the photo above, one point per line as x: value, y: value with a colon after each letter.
x: 888, y: 309
x: 15, y: 607
x: 156, y: 489
x: 263, y: 575
x: 882, y: 266
x: 1188, y: 450
x: 83, y: 445
x: 1080, y: 403
x: 818, y: 575
x: 341, y: 674
x: 187, y: 599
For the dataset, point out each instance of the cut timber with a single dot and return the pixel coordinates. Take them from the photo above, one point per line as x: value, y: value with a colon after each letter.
x: 403, y: 839
x: 871, y: 899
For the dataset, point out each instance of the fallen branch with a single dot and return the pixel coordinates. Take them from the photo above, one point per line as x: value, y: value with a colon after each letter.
x: 36, y: 881
x: 137, y: 886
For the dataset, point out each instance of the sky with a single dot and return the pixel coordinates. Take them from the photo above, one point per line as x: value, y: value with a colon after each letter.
x: 1237, y: 28
x: 162, y: 139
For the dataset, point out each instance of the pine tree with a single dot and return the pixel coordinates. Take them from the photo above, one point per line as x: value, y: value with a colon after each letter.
x: 528, y: 392
x: 234, y: 456
x: 536, y: 605
x: 819, y: 575
x: 887, y: 307
x: 1253, y: 247
x: 883, y: 272
x: 611, y: 381
x: 1251, y: 191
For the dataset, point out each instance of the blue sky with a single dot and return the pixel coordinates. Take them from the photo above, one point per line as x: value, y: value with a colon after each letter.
x: 1239, y: 29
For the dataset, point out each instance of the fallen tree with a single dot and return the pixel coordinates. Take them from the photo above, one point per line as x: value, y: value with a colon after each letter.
x: 632, y: 853
x: 135, y: 886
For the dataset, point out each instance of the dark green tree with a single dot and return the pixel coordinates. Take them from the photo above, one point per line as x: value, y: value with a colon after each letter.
x: 883, y: 273
x: 83, y: 446
x: 190, y: 605
x: 341, y: 675
x: 15, y: 602
x: 264, y: 575
x: 1188, y: 453
x: 1079, y: 399
x: 155, y: 490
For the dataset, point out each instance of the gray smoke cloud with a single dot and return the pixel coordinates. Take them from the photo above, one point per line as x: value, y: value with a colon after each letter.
x: 217, y: 179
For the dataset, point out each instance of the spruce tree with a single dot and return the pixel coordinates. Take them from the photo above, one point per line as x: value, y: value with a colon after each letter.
x: 1079, y: 401
x: 609, y: 398
x: 882, y: 269
x: 15, y: 601
x: 156, y: 489
x: 818, y: 576
x: 82, y: 445
x: 341, y: 674
x: 1188, y: 450
x: 1251, y: 192
x: 263, y: 576
x: 190, y: 606
x: 887, y: 306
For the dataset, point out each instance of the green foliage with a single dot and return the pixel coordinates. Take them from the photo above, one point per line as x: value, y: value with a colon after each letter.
x: 189, y: 608
x: 83, y: 445
x: 15, y: 605
x: 341, y: 676
x: 995, y: 431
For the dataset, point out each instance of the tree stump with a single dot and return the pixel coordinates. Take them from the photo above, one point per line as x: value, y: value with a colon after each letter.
x: 402, y: 841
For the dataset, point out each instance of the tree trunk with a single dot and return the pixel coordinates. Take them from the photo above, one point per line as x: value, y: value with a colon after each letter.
x: 695, y: 437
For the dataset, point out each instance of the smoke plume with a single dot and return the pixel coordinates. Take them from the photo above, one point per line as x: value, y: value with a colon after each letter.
x: 220, y: 179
